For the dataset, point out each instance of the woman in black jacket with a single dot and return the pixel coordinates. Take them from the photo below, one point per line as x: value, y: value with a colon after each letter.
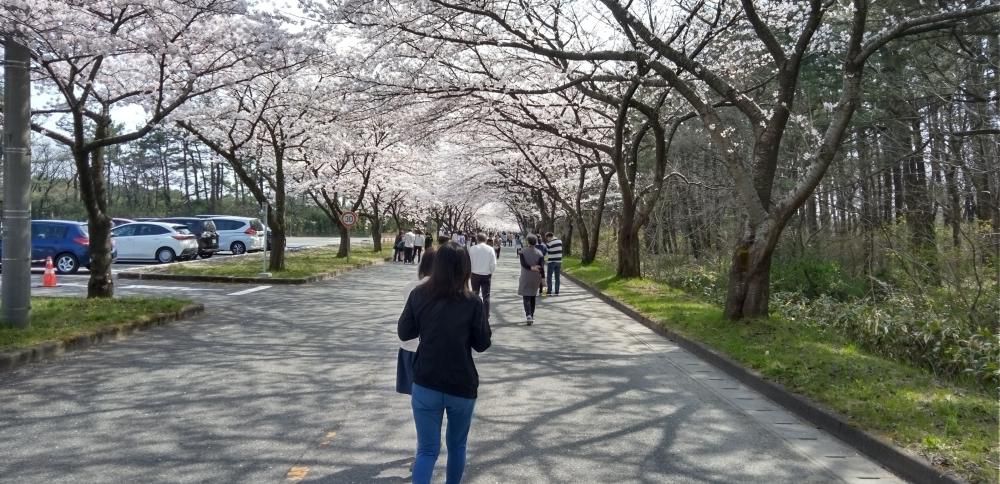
x: 448, y: 318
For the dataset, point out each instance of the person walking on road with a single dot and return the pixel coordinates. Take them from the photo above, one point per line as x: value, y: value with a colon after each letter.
x: 408, y: 240
x: 484, y: 263
x: 554, y: 265
x: 429, y: 242
x: 408, y: 349
x: 496, y: 246
x: 449, y: 321
x: 397, y: 247
x: 531, y: 277
x: 545, y: 252
x: 418, y: 244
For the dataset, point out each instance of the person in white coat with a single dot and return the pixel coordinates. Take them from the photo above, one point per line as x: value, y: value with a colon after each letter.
x: 408, y: 241
x: 484, y: 264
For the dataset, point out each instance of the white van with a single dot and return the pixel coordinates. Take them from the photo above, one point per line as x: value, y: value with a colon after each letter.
x: 239, y: 235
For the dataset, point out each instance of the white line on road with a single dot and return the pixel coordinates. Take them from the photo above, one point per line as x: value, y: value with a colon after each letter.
x: 248, y: 291
x: 170, y: 288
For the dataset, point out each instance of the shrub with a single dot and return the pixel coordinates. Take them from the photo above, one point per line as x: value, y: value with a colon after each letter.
x: 903, y: 328
x: 813, y: 277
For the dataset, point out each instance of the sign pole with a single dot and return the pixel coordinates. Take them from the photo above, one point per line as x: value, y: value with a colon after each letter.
x: 349, y: 219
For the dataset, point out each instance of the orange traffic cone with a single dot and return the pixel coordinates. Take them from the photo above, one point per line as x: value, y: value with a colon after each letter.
x: 49, y: 279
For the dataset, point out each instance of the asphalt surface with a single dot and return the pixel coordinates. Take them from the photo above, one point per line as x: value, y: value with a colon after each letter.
x: 295, y: 383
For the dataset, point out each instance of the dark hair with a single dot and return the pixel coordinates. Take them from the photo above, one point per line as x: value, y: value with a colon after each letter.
x: 426, y: 264
x: 548, y: 235
x: 531, y: 239
x: 450, y: 273
x: 443, y: 239
x: 481, y: 237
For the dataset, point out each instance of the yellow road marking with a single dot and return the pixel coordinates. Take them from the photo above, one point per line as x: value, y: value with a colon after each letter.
x: 297, y: 473
x: 327, y: 439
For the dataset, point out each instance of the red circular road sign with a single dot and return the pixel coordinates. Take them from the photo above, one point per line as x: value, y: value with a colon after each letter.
x: 349, y: 218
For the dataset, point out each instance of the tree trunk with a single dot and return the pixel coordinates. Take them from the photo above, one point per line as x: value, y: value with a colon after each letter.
x: 90, y: 166
x: 568, y: 239
x: 345, y: 240
x: 276, y: 261
x: 919, y: 210
x: 954, y: 210
x: 376, y: 233
x: 628, y: 247
x: 101, y: 284
x: 590, y: 242
x: 195, y: 169
x: 749, y: 289
x: 279, y: 229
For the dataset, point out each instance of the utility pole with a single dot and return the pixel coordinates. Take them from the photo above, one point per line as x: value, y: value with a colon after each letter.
x: 16, y: 279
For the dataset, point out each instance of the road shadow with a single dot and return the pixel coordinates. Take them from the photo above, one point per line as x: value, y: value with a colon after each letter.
x: 303, y: 376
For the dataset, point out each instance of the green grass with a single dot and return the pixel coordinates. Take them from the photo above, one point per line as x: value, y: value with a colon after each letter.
x: 952, y: 424
x: 60, y: 319
x: 298, y: 264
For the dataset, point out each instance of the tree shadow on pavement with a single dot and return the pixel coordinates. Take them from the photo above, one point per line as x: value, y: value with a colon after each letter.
x: 304, y: 377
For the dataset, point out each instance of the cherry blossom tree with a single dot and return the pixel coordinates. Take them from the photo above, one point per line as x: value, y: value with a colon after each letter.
x: 264, y: 129
x: 715, y: 58
x: 102, y: 55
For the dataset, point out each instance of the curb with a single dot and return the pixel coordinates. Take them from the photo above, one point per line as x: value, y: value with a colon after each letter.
x: 51, y: 350
x: 156, y: 276
x: 905, y: 465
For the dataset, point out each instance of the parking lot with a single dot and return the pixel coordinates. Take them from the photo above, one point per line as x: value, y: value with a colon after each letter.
x: 76, y: 284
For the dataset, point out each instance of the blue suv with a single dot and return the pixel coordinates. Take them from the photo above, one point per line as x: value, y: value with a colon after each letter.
x: 66, y: 242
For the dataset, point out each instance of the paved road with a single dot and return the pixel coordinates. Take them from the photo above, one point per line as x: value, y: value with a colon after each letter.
x: 296, y: 383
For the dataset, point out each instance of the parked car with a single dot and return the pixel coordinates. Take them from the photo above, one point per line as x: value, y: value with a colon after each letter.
x: 239, y: 235
x: 159, y: 241
x: 65, y: 241
x: 116, y: 221
x: 203, y: 229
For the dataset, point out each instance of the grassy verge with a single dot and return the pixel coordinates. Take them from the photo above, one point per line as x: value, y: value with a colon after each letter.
x: 953, y: 425
x: 298, y: 264
x: 59, y: 319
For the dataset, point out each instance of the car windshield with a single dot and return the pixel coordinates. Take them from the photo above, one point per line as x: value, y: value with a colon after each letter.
x: 256, y: 224
x: 85, y: 230
x: 180, y: 229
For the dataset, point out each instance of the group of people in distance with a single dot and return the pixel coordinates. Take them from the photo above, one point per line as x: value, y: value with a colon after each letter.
x: 409, y: 246
x: 445, y: 317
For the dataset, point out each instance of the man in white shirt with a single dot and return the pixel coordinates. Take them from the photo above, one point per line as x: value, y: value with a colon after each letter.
x: 418, y: 245
x: 408, y: 240
x: 484, y: 263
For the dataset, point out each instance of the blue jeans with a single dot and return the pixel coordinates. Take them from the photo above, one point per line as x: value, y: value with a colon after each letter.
x: 554, y: 268
x: 429, y: 407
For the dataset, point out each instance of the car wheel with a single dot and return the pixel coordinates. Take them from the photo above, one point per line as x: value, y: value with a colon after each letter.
x: 67, y: 264
x: 165, y: 255
x: 238, y: 248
